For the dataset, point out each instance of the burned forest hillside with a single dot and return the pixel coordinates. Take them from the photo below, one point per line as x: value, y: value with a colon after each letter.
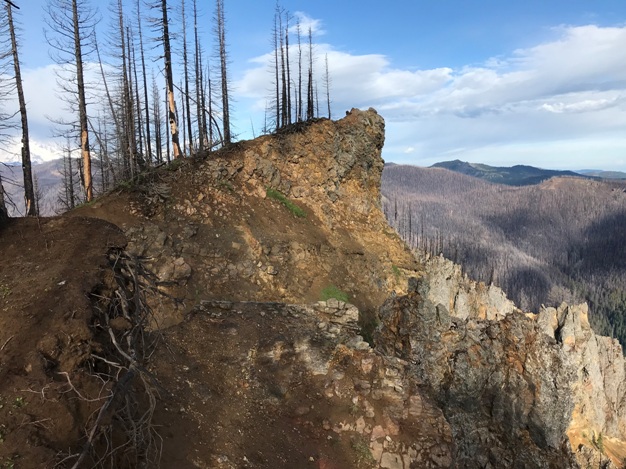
x: 561, y: 240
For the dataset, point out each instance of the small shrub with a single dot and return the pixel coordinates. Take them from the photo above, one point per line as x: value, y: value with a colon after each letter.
x: 174, y: 164
x: 362, y: 452
x: 226, y: 185
x: 600, y: 443
x: 4, y: 291
x: 293, y: 208
x: 332, y: 291
x: 396, y: 271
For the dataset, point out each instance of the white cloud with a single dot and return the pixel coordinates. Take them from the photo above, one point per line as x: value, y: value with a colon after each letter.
x: 584, y: 105
x: 306, y: 23
x: 565, y: 97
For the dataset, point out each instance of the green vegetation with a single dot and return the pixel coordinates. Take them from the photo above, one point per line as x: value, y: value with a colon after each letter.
x: 293, y: 208
x: 19, y: 402
x: 174, y: 164
x: 362, y: 452
x: 396, y: 271
x: 518, y: 175
x: 4, y: 291
x: 226, y: 185
x: 598, y: 442
x: 332, y: 291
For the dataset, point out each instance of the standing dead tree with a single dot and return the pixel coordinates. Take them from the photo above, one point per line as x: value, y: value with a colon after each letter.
x: 169, y: 81
x: 187, y: 113
x: 148, y: 156
x: 220, y: 31
x: 29, y: 192
x: 310, y: 98
x: 4, y: 213
x: 327, y: 84
x: 73, y: 22
x: 199, y: 85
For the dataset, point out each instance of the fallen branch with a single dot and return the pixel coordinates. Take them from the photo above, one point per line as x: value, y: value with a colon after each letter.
x: 5, y: 344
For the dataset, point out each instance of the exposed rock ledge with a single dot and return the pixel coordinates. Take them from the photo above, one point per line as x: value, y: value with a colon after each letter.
x: 466, y: 379
x: 518, y: 389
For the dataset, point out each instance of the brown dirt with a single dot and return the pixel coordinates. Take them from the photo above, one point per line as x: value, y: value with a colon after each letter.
x: 356, y: 253
x: 222, y: 404
x: 232, y: 406
x: 48, y: 269
x: 219, y: 406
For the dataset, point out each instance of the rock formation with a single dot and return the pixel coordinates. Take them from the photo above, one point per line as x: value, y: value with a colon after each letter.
x: 458, y: 376
x: 518, y: 389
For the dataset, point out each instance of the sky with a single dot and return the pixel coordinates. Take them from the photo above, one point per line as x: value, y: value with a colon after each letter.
x: 492, y: 81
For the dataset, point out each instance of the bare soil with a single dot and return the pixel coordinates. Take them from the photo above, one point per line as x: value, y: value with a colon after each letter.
x: 48, y: 269
x: 219, y: 405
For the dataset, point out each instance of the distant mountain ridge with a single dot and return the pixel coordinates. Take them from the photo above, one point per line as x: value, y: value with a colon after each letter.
x: 603, y: 174
x: 518, y: 175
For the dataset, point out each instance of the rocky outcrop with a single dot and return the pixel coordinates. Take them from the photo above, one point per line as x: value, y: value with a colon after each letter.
x: 208, y: 229
x: 303, y: 368
x: 519, y: 390
x: 459, y: 376
x: 336, y: 165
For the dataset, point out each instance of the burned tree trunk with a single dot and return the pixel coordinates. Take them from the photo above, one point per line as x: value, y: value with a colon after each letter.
x: 29, y: 192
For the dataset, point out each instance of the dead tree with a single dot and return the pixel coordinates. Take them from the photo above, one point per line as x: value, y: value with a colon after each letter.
x: 29, y: 192
x: 72, y: 21
x: 169, y: 82
x: 187, y: 113
x: 299, y: 105
x: 283, y: 74
x: 327, y: 84
x: 275, y: 38
x: 201, y: 120
x: 148, y: 157
x: 220, y: 29
x: 4, y: 213
x: 310, y: 99
x: 288, y: 67
x: 156, y: 118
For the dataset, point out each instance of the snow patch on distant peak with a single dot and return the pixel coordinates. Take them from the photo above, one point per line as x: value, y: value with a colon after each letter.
x: 40, y: 152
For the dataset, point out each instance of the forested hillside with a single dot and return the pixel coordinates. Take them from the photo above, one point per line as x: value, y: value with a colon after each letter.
x: 518, y: 175
x: 561, y: 240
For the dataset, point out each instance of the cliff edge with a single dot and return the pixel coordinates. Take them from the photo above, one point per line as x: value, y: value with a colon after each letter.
x: 289, y: 326
x: 518, y: 389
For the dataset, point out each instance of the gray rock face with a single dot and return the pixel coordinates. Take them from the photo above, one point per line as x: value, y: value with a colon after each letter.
x: 519, y: 390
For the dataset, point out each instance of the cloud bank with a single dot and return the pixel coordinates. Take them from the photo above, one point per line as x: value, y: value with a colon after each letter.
x: 556, y: 104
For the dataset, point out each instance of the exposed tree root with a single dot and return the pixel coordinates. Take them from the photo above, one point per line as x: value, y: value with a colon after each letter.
x: 120, y: 433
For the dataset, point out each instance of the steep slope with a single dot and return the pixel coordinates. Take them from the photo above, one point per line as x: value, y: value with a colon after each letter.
x: 210, y: 231
x: 48, y: 270
x: 246, y: 365
x: 518, y: 390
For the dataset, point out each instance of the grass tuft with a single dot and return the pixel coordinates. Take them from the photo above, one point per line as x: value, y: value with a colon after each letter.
x: 332, y: 291
x: 293, y: 208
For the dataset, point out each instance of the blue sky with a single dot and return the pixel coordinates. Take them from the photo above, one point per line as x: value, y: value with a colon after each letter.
x: 492, y: 81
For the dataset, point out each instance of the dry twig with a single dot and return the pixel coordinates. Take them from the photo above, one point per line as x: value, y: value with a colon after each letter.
x: 5, y: 344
